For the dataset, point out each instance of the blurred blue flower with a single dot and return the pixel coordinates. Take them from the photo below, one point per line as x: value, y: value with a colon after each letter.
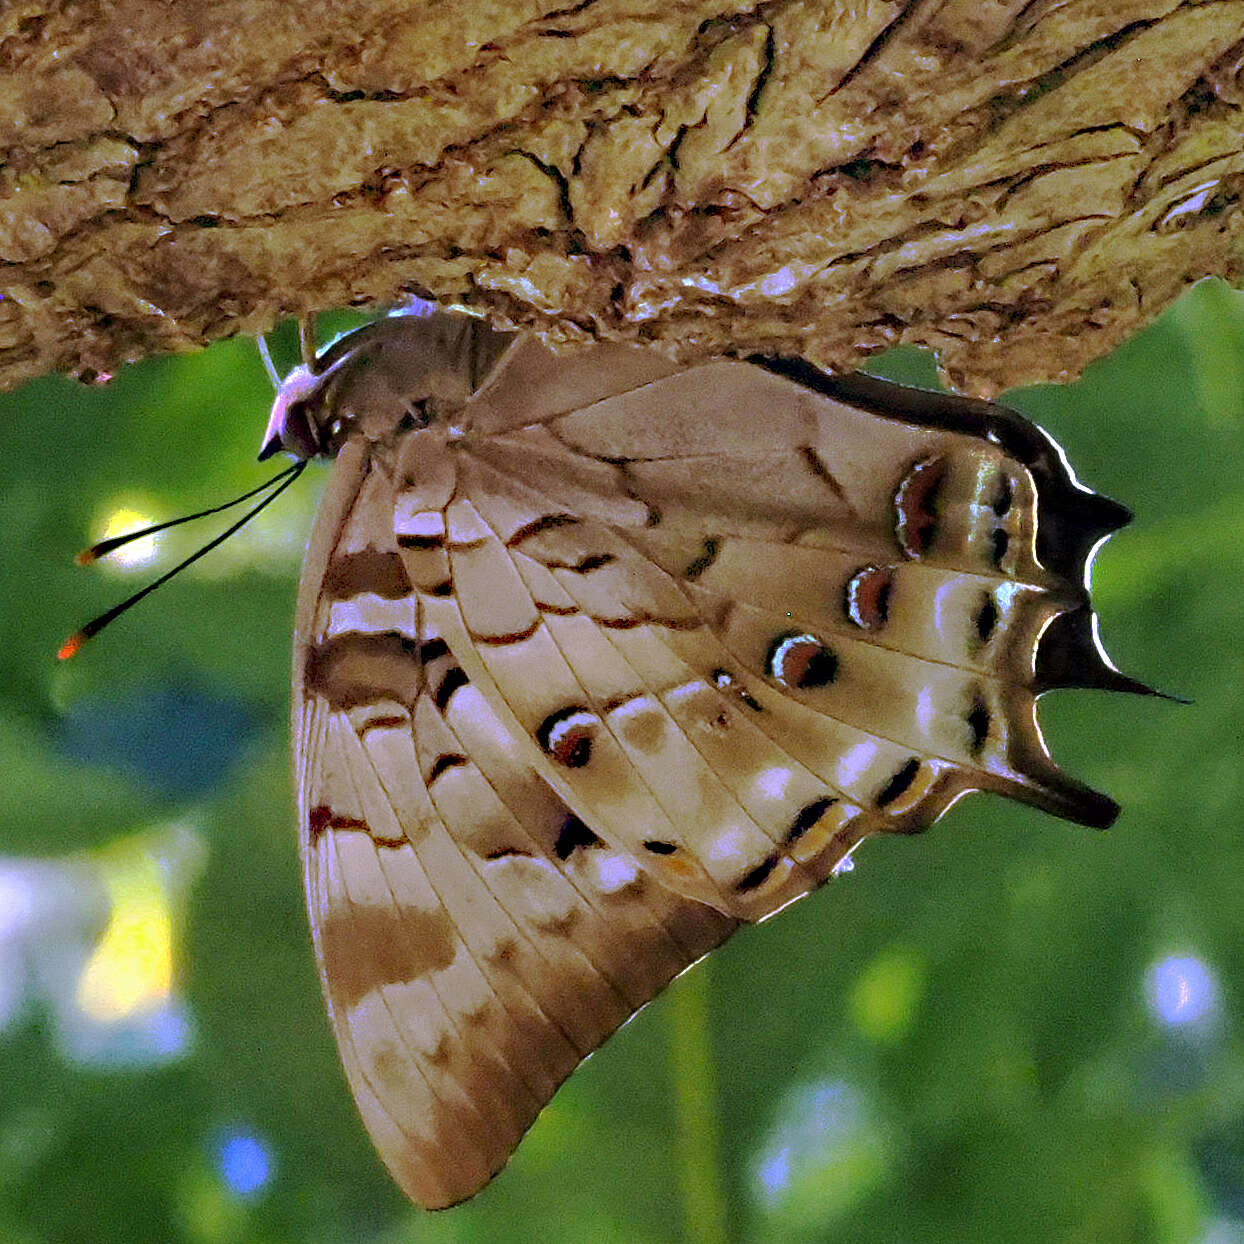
x: 244, y: 1163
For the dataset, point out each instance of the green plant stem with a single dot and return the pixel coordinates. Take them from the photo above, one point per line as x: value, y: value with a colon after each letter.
x: 695, y: 1097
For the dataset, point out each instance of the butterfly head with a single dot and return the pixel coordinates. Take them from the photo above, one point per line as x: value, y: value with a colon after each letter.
x: 315, y: 411
x: 292, y: 426
x: 392, y: 377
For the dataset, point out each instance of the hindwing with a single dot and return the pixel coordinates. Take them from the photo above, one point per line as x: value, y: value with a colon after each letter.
x: 476, y: 940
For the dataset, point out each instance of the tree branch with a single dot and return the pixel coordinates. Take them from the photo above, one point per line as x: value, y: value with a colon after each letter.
x: 1018, y: 184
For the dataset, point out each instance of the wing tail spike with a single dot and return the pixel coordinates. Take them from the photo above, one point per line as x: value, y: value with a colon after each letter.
x: 1091, y: 808
x: 1107, y: 515
x: 1044, y: 786
x: 1070, y: 654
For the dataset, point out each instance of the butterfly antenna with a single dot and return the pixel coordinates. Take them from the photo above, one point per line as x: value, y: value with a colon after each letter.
x: 104, y: 547
x: 261, y: 344
x: 93, y: 627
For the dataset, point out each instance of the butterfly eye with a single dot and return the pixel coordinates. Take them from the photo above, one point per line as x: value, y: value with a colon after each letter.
x: 418, y: 415
x: 298, y: 433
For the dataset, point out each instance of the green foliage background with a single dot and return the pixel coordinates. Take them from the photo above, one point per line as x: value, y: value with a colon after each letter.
x: 953, y: 1043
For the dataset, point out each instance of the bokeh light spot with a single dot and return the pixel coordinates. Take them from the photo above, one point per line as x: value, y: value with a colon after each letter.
x: 1181, y: 990
x: 886, y: 993
x: 169, y: 1030
x: 131, y: 969
x: 139, y: 552
x: 823, y: 1155
x: 244, y: 1163
x: 1223, y: 1231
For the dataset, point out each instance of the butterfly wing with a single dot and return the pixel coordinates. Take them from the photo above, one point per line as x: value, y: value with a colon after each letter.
x: 475, y: 939
x: 628, y: 653
x: 748, y: 622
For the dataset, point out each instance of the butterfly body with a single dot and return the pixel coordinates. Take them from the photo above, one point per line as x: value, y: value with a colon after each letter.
x: 597, y: 656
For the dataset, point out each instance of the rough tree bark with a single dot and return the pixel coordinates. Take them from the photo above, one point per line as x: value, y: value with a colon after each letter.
x: 1017, y: 183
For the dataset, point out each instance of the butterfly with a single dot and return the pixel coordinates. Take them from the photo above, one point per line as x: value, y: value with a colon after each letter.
x: 597, y: 656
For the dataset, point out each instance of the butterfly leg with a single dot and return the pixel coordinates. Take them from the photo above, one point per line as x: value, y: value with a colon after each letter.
x: 306, y: 339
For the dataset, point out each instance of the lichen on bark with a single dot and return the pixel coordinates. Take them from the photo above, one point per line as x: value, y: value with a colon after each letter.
x: 1018, y: 184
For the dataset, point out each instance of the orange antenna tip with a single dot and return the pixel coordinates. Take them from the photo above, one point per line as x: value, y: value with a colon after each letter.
x: 273, y: 487
x: 71, y: 645
x: 86, y: 557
